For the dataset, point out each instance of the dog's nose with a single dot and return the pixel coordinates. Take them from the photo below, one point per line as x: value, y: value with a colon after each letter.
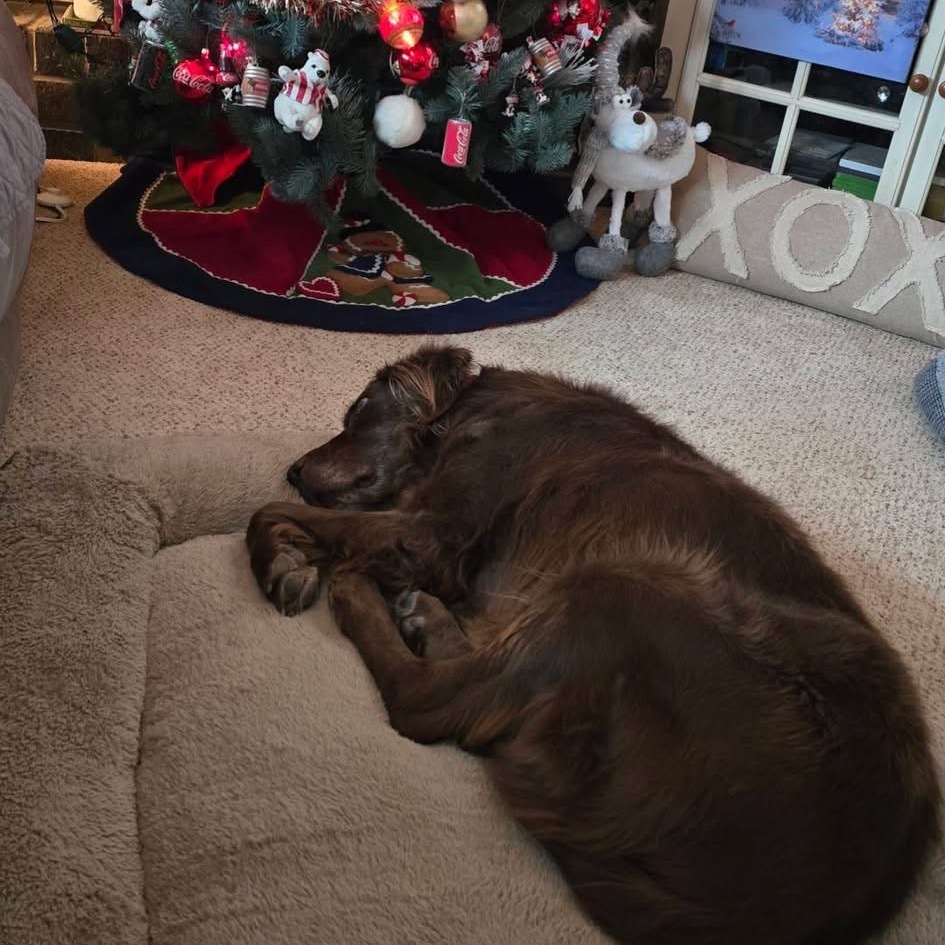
x: 294, y: 475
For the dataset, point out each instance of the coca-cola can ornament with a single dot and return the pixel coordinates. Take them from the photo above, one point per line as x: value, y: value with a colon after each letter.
x: 148, y: 67
x: 544, y: 56
x: 456, y: 142
x: 255, y: 87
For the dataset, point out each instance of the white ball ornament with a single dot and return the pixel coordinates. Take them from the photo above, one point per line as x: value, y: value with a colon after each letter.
x: 399, y: 121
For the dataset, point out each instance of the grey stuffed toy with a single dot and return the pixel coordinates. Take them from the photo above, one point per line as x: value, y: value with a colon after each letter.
x: 626, y: 151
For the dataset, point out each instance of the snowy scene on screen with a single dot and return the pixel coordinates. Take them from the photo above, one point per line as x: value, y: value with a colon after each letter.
x: 872, y: 37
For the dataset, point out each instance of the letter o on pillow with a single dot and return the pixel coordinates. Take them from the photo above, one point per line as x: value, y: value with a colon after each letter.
x: 857, y: 216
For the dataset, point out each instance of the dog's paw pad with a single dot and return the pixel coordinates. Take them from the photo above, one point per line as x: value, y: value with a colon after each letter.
x: 296, y: 590
x: 287, y: 559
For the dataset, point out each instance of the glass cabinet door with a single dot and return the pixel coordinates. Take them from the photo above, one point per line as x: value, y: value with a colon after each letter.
x: 924, y: 192
x: 816, y: 123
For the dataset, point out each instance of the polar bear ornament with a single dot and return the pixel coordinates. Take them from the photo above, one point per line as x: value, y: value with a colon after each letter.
x: 298, y: 106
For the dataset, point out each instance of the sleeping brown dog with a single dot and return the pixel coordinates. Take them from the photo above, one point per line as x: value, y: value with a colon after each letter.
x: 676, y: 696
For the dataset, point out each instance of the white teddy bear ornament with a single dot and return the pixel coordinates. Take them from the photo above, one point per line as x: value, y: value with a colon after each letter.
x: 150, y: 13
x: 298, y: 106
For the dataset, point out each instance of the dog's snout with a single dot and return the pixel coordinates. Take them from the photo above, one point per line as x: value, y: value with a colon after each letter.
x: 294, y: 475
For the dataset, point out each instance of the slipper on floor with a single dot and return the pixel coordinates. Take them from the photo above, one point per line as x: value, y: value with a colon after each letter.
x: 930, y: 393
x: 52, y: 197
x: 47, y: 214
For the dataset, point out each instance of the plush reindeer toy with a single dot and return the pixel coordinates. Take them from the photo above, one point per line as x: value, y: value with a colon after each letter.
x: 626, y: 152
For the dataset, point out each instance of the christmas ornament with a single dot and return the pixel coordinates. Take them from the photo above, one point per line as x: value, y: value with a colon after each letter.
x: 511, y: 104
x: 150, y: 13
x: 456, y: 142
x: 585, y: 20
x: 148, y: 66
x: 544, y: 56
x: 400, y: 24
x: 298, y: 106
x: 590, y: 31
x: 254, y: 91
x: 399, y: 121
x: 463, y: 22
x: 232, y: 55
x: 482, y: 53
x: 415, y: 65
x: 582, y: 11
x: 195, y: 79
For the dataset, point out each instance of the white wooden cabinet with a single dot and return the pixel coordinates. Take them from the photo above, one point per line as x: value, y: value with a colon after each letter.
x: 775, y: 112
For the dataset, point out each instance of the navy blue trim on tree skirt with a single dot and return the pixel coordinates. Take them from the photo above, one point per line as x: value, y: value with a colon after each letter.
x: 112, y: 221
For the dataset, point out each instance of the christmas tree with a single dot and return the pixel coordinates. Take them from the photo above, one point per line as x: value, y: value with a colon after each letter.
x: 318, y: 89
x: 803, y: 11
x: 724, y: 31
x: 911, y: 17
x: 854, y: 23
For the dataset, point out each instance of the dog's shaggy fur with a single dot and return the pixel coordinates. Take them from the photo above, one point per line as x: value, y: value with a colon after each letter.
x: 676, y: 696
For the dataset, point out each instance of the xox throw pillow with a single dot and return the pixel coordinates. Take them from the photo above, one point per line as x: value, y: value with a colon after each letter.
x: 824, y: 248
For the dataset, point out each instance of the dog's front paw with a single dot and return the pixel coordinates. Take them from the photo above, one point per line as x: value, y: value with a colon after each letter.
x: 280, y: 556
x: 427, y: 627
x: 291, y: 583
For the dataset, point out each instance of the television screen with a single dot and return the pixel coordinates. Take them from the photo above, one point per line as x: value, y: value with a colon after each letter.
x: 871, y: 37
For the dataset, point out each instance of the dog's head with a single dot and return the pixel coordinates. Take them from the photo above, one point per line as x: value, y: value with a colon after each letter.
x: 371, y: 460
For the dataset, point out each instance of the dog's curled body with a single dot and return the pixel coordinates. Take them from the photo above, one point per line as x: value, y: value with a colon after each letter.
x: 674, y: 693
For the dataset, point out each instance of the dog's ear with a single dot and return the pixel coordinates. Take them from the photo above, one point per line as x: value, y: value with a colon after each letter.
x: 428, y: 382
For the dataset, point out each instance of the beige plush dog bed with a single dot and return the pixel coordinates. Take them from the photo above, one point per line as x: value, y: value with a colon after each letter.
x: 180, y: 765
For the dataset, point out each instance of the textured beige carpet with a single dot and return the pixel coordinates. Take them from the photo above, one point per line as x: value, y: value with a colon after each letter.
x: 811, y: 407
x: 814, y: 408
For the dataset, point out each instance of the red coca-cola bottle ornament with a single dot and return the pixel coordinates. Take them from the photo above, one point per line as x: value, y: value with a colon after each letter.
x: 455, y: 151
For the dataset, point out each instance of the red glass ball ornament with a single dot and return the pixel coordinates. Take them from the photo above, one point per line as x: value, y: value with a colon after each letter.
x: 588, y: 11
x: 591, y: 18
x: 552, y: 23
x: 415, y: 65
x: 400, y: 24
x: 194, y: 79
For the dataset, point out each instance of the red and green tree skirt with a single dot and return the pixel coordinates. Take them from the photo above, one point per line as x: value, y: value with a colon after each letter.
x: 314, y: 89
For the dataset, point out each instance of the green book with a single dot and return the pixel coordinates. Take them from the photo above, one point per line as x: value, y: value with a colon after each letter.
x: 860, y: 186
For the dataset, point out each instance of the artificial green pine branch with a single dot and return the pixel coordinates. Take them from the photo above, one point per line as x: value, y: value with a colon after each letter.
x: 501, y: 77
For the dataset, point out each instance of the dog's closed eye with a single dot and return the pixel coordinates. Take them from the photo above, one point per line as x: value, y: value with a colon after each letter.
x: 354, y: 411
